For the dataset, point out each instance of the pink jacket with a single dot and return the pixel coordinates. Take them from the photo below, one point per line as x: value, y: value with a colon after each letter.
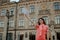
x: 41, y: 31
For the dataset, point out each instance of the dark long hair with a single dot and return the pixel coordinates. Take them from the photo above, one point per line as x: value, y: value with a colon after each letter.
x: 43, y: 21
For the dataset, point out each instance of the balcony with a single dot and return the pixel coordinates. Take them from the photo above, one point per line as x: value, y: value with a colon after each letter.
x: 57, y: 25
x: 32, y: 13
x: 57, y: 11
x: 44, y: 12
x: 21, y: 27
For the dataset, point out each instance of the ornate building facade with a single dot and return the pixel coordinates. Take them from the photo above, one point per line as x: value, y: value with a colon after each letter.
x: 21, y: 26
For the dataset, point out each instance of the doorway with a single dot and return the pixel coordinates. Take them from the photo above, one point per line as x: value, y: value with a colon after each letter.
x: 21, y: 37
x: 58, y: 36
x: 32, y: 37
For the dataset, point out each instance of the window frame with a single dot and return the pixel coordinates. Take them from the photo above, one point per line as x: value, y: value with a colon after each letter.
x: 1, y: 23
x: 57, y: 19
x: 3, y: 12
x: 32, y: 8
x: 46, y: 19
x: 23, y: 22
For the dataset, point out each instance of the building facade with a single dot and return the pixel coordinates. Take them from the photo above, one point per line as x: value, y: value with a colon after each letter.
x: 21, y: 26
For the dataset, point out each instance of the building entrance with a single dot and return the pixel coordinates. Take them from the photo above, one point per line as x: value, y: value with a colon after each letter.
x: 32, y: 37
x: 58, y: 36
x: 21, y: 37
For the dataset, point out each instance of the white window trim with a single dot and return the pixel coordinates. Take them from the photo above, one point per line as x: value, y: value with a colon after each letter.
x: 46, y: 19
x: 21, y: 24
x: 1, y: 24
x: 11, y: 23
x: 32, y: 9
x: 57, y: 20
x: 3, y: 12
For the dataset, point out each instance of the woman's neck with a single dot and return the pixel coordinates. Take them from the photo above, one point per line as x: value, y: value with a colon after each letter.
x: 41, y: 24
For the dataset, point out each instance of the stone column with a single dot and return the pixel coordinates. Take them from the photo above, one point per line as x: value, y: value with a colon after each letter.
x: 51, y: 37
x: 17, y: 35
x: 28, y: 35
x: 55, y: 36
x: 5, y: 29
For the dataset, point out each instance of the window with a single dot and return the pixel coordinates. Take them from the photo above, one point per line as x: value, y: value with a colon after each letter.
x: 21, y: 9
x: 1, y: 24
x: 57, y: 19
x: 53, y: 37
x: 57, y: 5
x: 21, y: 22
x: 10, y: 36
x: 11, y: 11
x: 46, y: 19
x: 0, y: 36
x: 3, y: 12
x: 31, y: 36
x: 11, y: 23
x: 32, y: 8
x: 33, y: 20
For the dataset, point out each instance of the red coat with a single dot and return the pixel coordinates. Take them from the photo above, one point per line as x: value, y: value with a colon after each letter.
x: 41, y: 32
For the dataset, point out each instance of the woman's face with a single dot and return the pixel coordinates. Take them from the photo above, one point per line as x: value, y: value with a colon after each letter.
x: 41, y: 21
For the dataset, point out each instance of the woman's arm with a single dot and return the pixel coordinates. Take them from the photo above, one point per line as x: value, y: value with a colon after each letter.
x: 35, y: 25
x: 30, y: 20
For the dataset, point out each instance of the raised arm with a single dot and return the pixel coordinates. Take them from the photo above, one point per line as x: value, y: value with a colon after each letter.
x: 30, y: 20
x: 34, y: 24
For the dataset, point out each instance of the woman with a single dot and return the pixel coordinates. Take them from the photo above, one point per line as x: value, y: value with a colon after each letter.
x: 42, y: 29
